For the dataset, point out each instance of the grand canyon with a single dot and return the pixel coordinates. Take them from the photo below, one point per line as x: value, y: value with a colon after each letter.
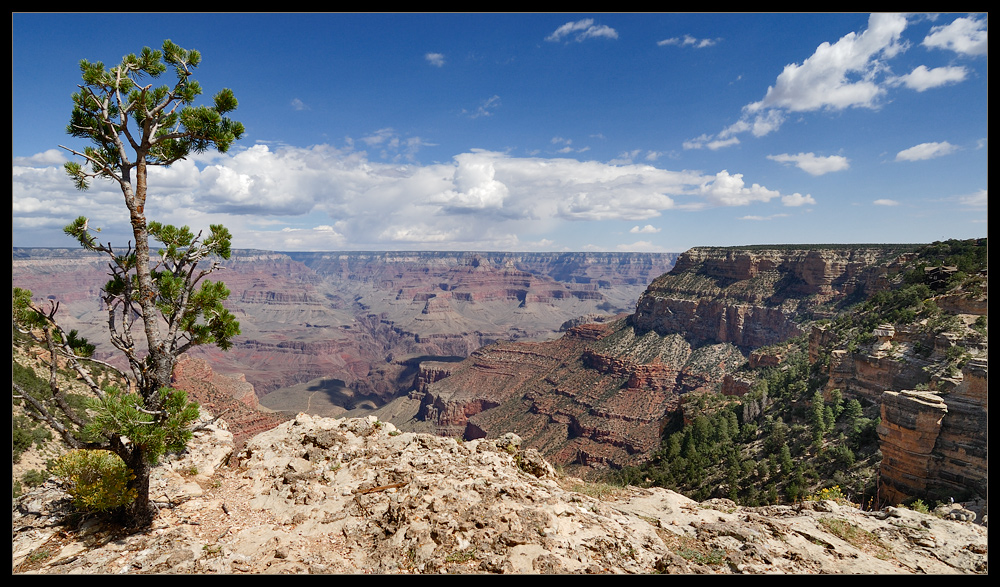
x: 586, y: 356
x: 355, y: 326
x: 584, y: 361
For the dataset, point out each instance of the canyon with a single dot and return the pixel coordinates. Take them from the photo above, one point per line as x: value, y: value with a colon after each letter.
x: 348, y: 330
x: 587, y: 357
x: 601, y: 395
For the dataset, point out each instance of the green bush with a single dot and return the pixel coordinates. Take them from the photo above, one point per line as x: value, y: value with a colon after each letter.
x: 97, y: 479
x: 34, y: 477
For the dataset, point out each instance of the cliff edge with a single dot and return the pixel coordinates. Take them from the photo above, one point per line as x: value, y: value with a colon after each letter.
x: 318, y: 495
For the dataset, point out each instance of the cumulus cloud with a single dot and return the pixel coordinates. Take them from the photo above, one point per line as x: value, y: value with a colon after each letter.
x: 966, y: 36
x: 730, y: 190
x: 812, y: 164
x: 688, y: 41
x: 885, y: 202
x: 841, y: 75
x: 435, y: 59
x: 797, y: 199
x: 850, y: 73
x: 325, y: 197
x: 921, y: 78
x: 926, y: 151
x: 581, y: 30
x: 299, y: 105
x: 43, y: 159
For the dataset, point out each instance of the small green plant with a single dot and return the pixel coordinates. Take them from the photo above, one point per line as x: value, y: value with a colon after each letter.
x: 39, y: 555
x: 97, y: 479
x: 461, y: 556
x: 857, y: 537
x: 212, y: 550
x: 715, y: 557
x: 918, y: 505
x: 34, y: 478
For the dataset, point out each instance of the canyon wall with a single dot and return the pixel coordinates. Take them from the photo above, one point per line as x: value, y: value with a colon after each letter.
x: 601, y: 394
x: 753, y: 297
x: 934, y: 445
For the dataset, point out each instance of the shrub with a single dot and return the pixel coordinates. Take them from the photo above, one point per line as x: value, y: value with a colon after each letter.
x: 97, y: 479
x: 34, y: 477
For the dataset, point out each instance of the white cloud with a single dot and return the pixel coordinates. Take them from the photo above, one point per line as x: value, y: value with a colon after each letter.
x: 812, y: 164
x: 435, y: 59
x: 392, y: 146
x: 757, y: 217
x: 648, y: 229
x: 845, y: 74
x: 975, y: 200
x: 688, y: 41
x: 841, y: 75
x: 43, y: 159
x: 967, y: 36
x: 925, y: 151
x: 707, y: 142
x: 730, y: 190
x: 582, y: 30
x: 885, y: 202
x: 921, y: 78
x: 797, y: 199
x: 324, y: 197
x: 299, y: 105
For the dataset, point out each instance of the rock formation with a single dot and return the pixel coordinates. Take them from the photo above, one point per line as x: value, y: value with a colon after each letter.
x: 600, y: 395
x: 934, y: 445
x: 322, y: 496
x: 757, y: 296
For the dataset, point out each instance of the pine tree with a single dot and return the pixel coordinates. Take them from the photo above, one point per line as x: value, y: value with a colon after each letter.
x: 130, y: 126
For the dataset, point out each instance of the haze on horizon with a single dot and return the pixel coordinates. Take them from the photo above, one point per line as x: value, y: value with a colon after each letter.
x: 537, y: 132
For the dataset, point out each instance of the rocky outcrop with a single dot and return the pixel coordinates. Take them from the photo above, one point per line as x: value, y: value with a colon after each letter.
x: 322, y: 496
x: 934, y: 445
x: 754, y: 297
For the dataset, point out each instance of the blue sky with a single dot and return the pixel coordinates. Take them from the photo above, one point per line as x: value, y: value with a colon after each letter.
x: 537, y: 132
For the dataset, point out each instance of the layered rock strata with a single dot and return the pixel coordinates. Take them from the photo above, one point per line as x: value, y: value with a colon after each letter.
x: 934, y: 445
x: 359, y: 316
x: 754, y: 297
x: 229, y: 396
x: 600, y: 395
x: 596, y: 397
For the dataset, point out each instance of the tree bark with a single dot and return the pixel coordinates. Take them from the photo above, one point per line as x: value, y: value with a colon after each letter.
x: 141, y: 512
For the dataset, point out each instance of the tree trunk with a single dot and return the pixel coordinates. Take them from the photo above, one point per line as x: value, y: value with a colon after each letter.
x: 139, y: 513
